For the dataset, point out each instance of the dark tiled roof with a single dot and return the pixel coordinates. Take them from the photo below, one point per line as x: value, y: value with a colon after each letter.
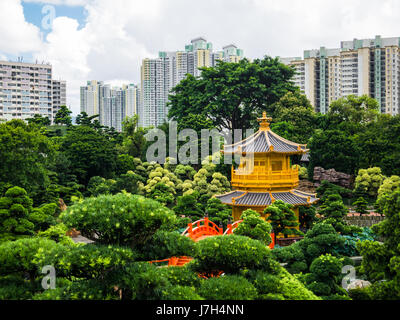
x: 262, y: 141
x: 294, y: 197
x: 227, y: 198
x: 255, y: 199
x: 291, y: 198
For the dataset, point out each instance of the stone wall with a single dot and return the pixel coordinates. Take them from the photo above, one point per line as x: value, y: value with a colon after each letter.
x: 363, y: 221
x: 339, y: 178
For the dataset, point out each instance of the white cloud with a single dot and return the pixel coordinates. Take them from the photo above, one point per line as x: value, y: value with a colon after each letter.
x: 16, y: 35
x: 118, y: 34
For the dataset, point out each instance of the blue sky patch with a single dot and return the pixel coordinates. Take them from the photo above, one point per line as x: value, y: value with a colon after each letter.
x: 33, y: 14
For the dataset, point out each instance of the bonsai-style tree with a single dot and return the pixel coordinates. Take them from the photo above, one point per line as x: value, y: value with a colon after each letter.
x: 254, y: 227
x: 189, y: 206
x: 283, y: 219
x: 361, y: 206
x: 368, y: 182
x: 333, y: 211
x: 307, y: 216
x: 324, y: 278
x: 218, y: 212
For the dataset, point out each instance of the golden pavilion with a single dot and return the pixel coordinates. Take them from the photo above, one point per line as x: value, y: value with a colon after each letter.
x: 265, y: 173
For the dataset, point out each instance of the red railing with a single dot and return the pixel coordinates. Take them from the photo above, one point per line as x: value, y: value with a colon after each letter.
x: 174, y: 261
x: 199, y: 230
x: 202, y: 228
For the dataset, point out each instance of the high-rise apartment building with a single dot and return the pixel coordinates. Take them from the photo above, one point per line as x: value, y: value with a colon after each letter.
x: 358, y: 67
x: 112, y: 104
x: 59, y: 95
x: 27, y: 89
x: 160, y: 75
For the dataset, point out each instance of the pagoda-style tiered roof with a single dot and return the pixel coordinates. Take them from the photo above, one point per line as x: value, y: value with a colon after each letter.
x: 262, y: 199
x: 266, y: 141
x: 267, y: 175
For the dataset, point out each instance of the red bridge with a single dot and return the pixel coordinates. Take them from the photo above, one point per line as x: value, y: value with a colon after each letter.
x: 200, y: 230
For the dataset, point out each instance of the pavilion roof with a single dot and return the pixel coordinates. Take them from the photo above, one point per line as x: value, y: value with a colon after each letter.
x: 244, y: 198
x: 264, y: 141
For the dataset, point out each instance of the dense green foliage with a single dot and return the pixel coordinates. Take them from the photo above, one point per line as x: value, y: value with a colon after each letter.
x: 231, y: 95
x: 283, y: 219
x: 123, y: 219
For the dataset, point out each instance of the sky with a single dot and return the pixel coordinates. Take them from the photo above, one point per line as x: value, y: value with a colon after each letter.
x: 107, y: 39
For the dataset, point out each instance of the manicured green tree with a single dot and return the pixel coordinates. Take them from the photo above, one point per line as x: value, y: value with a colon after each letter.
x: 63, y: 116
x: 388, y: 186
x: 189, y: 206
x: 321, y: 239
x: 123, y: 219
x: 254, y: 227
x: 307, y: 216
x: 232, y: 254
x: 18, y: 219
x: 165, y: 244
x: 26, y: 257
x: 283, y: 219
x: 171, y: 185
x: 231, y: 95
x: 218, y: 212
x: 98, y: 185
x: 333, y: 211
x: 184, y: 172
x: 368, y: 182
x: 361, y: 206
x: 279, y: 285
x: 229, y: 287
x: 324, y: 278
x: 207, y: 182
x: 375, y: 263
x: 124, y: 164
x: 15, y: 208
x: 327, y: 188
x: 333, y: 207
x: 128, y: 182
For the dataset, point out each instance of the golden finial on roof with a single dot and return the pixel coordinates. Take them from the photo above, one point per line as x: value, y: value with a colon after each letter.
x: 264, y: 121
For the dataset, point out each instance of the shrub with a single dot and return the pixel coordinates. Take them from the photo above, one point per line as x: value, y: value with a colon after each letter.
x: 254, y: 227
x: 368, y: 181
x: 165, y: 244
x: 90, y: 261
x: 231, y: 254
x: 324, y: 277
x: 181, y: 276
x: 228, y: 287
x: 282, y: 218
x: 123, y: 219
x: 28, y: 256
x: 180, y: 293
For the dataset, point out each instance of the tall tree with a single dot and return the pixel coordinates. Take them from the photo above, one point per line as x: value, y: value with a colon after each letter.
x: 25, y: 155
x: 90, y: 154
x: 63, y: 116
x: 232, y: 95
